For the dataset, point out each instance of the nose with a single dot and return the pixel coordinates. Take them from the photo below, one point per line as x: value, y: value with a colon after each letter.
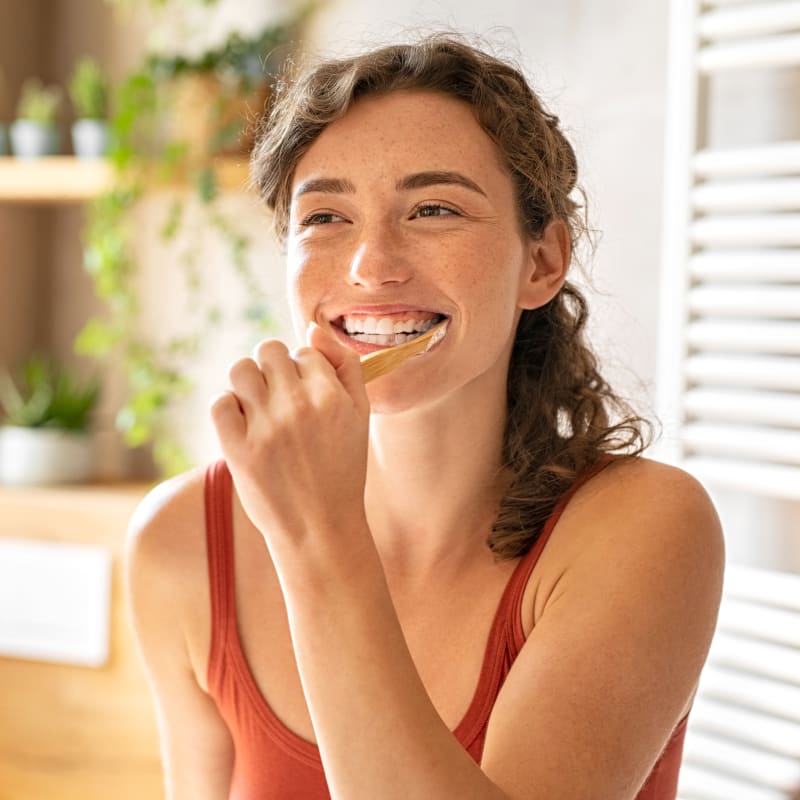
x: 378, y: 258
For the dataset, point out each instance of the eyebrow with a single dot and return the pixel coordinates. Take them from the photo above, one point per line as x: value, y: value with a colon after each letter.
x: 326, y: 185
x: 419, y: 180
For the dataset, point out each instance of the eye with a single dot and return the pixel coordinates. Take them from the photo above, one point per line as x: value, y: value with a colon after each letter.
x: 320, y: 218
x: 434, y: 210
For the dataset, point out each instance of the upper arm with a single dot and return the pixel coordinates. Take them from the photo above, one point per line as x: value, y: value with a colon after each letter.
x: 161, y: 565
x: 614, y: 657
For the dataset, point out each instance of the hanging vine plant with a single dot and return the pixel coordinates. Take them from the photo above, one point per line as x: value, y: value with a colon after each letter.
x: 218, y: 93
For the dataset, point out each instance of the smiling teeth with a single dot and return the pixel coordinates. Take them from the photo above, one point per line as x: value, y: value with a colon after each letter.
x: 385, y: 331
x: 384, y: 326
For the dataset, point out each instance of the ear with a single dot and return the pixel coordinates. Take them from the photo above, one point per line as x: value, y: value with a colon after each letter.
x: 546, y: 266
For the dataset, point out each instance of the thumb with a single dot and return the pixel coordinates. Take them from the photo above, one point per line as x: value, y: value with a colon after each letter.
x: 344, y: 360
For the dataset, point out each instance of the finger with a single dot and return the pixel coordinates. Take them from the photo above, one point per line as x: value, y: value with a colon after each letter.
x: 228, y: 420
x: 316, y: 372
x: 277, y: 366
x: 249, y: 386
x: 345, y: 362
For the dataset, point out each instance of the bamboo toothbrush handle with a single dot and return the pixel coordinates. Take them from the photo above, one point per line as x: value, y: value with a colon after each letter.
x: 379, y: 363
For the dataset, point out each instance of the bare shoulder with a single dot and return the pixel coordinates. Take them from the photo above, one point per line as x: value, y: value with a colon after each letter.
x: 648, y: 506
x: 643, y: 528
x: 165, y: 560
x: 631, y: 481
x: 167, y: 523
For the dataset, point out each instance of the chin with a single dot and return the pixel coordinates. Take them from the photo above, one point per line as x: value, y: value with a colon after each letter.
x: 389, y: 395
x: 383, y: 402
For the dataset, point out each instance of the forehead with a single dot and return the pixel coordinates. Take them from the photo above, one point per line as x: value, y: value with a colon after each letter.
x: 404, y: 131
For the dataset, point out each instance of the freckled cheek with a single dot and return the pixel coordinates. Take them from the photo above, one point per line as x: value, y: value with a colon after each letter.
x: 475, y: 269
x: 307, y: 280
x: 486, y: 281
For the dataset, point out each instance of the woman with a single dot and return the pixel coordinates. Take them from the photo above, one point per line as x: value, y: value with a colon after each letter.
x: 461, y: 581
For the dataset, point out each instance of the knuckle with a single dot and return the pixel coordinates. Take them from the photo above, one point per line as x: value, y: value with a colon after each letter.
x: 300, y: 402
x: 270, y: 348
x: 309, y: 355
x: 304, y: 352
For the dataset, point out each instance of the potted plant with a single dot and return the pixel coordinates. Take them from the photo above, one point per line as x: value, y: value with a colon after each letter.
x: 34, y: 131
x: 88, y: 90
x: 45, y: 435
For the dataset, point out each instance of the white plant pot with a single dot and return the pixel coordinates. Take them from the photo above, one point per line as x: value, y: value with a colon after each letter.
x: 33, y: 456
x: 90, y: 138
x: 32, y: 139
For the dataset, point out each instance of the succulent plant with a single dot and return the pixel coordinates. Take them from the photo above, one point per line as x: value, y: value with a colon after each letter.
x: 88, y: 90
x: 38, y: 103
x: 46, y: 395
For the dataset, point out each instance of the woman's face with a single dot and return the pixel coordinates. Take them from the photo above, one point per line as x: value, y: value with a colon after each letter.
x: 401, y: 213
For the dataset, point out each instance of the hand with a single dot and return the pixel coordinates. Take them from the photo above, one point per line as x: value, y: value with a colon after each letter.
x: 294, y: 431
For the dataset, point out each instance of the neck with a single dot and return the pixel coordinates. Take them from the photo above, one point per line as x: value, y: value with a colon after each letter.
x: 433, y: 482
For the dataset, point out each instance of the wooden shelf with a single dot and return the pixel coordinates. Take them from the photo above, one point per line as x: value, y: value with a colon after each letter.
x: 66, y: 179
x: 74, y: 495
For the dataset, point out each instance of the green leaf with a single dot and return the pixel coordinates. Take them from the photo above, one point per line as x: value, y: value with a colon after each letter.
x: 173, y: 221
x: 48, y: 395
x: 97, y: 338
x: 206, y: 183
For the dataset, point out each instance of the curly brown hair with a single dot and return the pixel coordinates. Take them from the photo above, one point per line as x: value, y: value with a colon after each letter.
x: 562, y: 415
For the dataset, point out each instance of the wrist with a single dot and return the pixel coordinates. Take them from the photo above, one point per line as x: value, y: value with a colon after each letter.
x: 325, y: 556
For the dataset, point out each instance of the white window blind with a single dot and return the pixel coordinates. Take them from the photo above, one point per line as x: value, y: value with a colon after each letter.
x: 729, y: 353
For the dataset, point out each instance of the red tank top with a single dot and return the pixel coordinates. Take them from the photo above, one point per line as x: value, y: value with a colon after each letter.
x: 272, y: 761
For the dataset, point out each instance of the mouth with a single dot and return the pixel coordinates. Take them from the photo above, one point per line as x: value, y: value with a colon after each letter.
x: 367, y: 333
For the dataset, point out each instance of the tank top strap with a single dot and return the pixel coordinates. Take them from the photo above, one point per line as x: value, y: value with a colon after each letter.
x: 511, y: 603
x: 218, y: 490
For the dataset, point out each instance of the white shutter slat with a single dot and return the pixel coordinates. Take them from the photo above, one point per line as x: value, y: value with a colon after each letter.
x: 736, y: 651
x: 773, y: 194
x: 724, y: 3
x: 781, y: 373
x: 750, y: 20
x: 779, y: 158
x: 757, y: 730
x: 744, y: 336
x: 744, y: 691
x: 778, y: 626
x: 701, y: 783
x: 768, y: 480
x: 776, y: 230
x: 768, y: 51
x: 762, y: 586
x: 748, y: 265
x: 747, y: 301
x: 765, y: 769
x: 743, y: 442
x: 768, y: 408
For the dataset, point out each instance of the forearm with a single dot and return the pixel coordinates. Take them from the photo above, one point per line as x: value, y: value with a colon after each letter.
x: 377, y: 730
